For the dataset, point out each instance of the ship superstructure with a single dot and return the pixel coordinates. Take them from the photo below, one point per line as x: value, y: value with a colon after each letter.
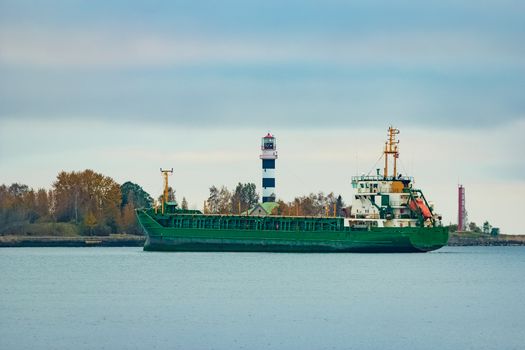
x: 390, y: 200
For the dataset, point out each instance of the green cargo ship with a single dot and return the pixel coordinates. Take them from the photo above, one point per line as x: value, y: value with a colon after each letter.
x: 388, y: 215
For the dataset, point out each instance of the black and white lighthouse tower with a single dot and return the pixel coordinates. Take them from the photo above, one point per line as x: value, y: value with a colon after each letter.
x: 268, y: 156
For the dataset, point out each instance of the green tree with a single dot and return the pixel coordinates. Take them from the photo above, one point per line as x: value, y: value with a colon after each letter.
x: 213, y: 201
x: 474, y: 228
x: 249, y: 195
x: 486, y: 227
x: 244, y: 197
x: 141, y: 198
x: 133, y: 196
x: 18, y: 191
x: 339, y: 205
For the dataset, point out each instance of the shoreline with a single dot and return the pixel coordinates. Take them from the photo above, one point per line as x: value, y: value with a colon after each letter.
x: 116, y: 240
x: 125, y: 240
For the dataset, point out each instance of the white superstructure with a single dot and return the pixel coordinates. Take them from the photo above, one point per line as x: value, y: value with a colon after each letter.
x: 389, y: 200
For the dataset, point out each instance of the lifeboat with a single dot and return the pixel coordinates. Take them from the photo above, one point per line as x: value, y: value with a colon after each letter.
x: 418, y: 205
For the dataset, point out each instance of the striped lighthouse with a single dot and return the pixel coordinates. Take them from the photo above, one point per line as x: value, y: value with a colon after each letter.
x: 268, y: 156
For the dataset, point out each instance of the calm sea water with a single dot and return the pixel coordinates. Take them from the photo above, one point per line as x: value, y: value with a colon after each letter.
x: 123, y: 298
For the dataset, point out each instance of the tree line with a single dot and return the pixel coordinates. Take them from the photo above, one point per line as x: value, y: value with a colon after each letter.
x: 244, y: 197
x: 95, y: 203
x: 223, y: 201
x: 98, y: 205
x: 313, y: 205
x: 486, y: 229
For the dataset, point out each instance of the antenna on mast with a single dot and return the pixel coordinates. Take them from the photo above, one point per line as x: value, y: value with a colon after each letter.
x: 391, y: 148
x: 165, y: 174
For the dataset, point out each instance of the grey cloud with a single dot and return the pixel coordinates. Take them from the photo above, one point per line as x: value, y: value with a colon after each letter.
x: 242, y: 99
x: 114, y: 49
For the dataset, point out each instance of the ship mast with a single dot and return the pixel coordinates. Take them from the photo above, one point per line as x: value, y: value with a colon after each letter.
x: 391, y: 148
x: 165, y: 174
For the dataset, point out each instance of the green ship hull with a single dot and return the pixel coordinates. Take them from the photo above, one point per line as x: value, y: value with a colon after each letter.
x: 197, y: 232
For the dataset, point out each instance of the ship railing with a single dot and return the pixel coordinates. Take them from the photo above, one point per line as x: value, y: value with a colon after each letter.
x: 312, y: 217
x: 234, y: 222
x: 359, y: 178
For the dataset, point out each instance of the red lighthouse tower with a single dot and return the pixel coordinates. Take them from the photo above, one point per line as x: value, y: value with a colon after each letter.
x: 462, y: 213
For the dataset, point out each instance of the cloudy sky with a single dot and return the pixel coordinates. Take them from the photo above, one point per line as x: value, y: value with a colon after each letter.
x: 127, y: 87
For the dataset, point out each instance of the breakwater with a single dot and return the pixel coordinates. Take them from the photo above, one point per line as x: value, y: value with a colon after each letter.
x: 118, y: 240
x: 472, y: 239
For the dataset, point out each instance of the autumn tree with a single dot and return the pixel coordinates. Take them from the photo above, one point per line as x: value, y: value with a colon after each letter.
x: 4, y: 206
x: 20, y: 205
x: 219, y: 201
x: 91, y: 200
x: 225, y: 201
x: 281, y: 208
x: 13, y: 206
x: 42, y: 204
x: 29, y: 205
x: 128, y: 221
x: 171, y: 195
x: 79, y: 193
x: 308, y: 205
x: 312, y: 205
x: 90, y: 222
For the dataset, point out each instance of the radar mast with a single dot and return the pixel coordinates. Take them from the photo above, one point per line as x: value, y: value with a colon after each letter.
x: 391, y: 148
